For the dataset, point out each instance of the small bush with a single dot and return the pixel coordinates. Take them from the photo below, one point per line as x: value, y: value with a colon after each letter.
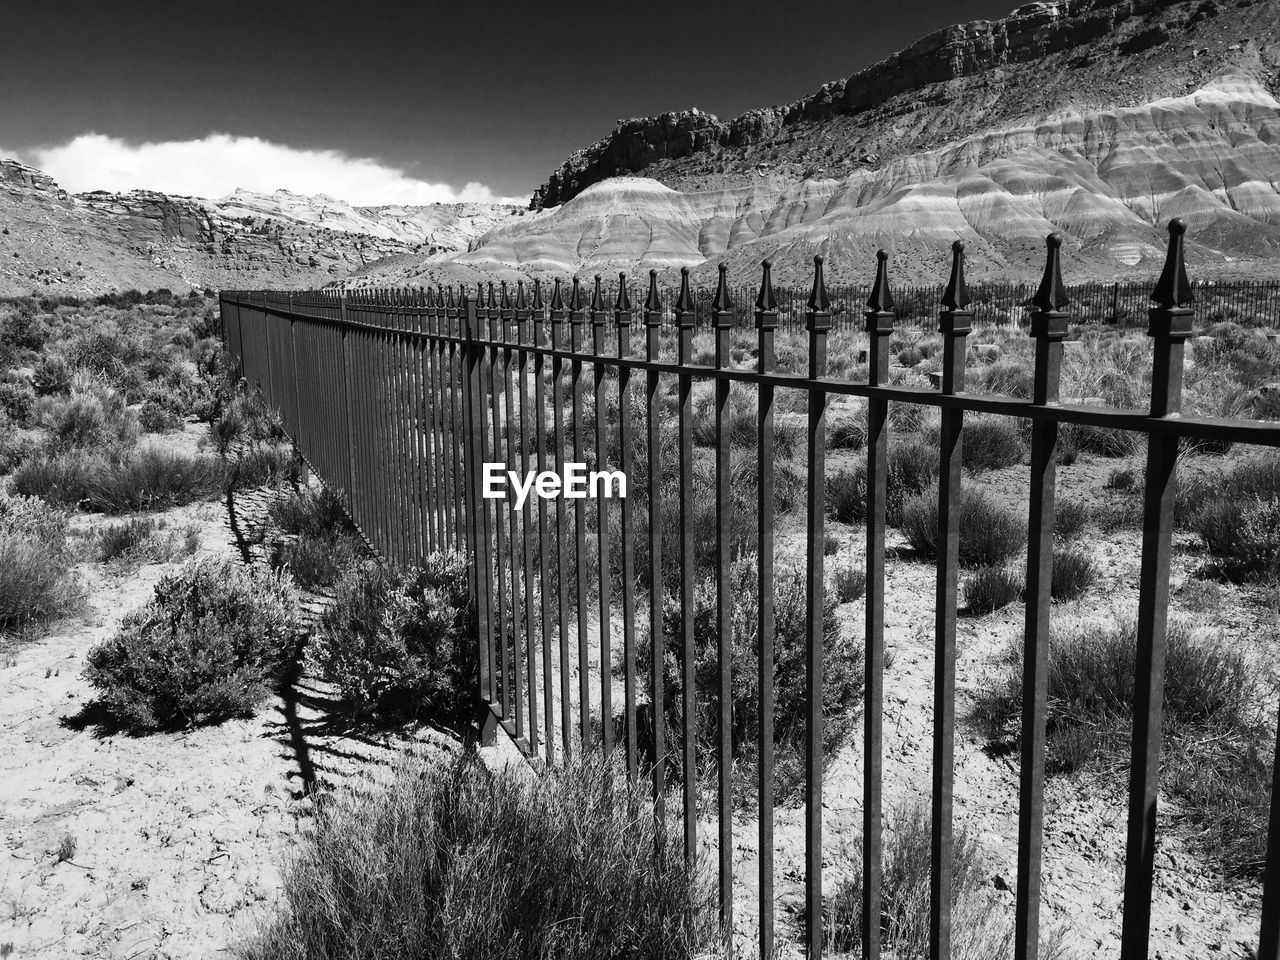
x: 92, y: 415
x: 1071, y: 518
x: 842, y: 666
x: 143, y: 480
x: 36, y: 582
x: 314, y: 562
x: 989, y: 588
x: 1237, y: 515
x: 52, y: 376
x: 847, y: 495
x: 1073, y: 574
x: 990, y: 534
x: 830, y: 546
x: 847, y: 435
x: 205, y: 648
x: 157, y: 417
x: 1123, y: 478
x: 17, y: 400
x: 991, y: 443
x: 144, y: 540
x: 849, y: 583
x: 403, y: 643
x: 411, y: 864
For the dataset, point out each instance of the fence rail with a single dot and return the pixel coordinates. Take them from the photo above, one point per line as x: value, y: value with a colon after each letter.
x: 399, y: 398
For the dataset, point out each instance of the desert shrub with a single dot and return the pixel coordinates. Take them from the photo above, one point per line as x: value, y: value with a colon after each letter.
x: 401, y: 644
x: 830, y: 545
x: 317, y: 511
x: 1070, y: 519
x: 847, y: 495
x: 989, y: 588
x: 1122, y: 478
x: 245, y: 418
x: 260, y: 466
x: 1073, y: 574
x: 410, y: 864
x: 206, y: 648
x: 17, y: 400
x: 848, y: 583
x: 36, y: 581
x: 1237, y: 515
x: 1008, y: 376
x: 1104, y: 441
x: 1202, y: 596
x: 842, y: 683
x: 982, y: 927
x: 909, y: 357
x: 15, y: 447
x: 315, y: 563
x: 143, y: 539
x: 991, y: 443
x: 913, y: 467
x: 92, y: 415
x: 107, y: 351
x: 1215, y: 764
x: 990, y: 534
x: 52, y: 376
x: 846, y: 435
x: 144, y: 479
x: 156, y: 416
x: 23, y: 328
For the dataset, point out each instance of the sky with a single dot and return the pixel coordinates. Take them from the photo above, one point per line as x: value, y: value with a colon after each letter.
x: 401, y: 102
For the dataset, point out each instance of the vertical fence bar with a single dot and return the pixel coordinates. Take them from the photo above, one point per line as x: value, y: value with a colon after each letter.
x: 653, y: 451
x: 544, y: 541
x: 1170, y: 323
x: 879, y: 325
x: 1049, y: 328
x: 476, y: 516
x: 523, y: 316
x: 559, y: 337
x: 818, y: 325
x: 494, y: 410
x: 686, y: 318
x: 1269, y: 932
x: 599, y: 316
x: 577, y: 318
x: 507, y: 317
x: 954, y: 324
x: 722, y: 322
x: 766, y: 317
x: 622, y: 321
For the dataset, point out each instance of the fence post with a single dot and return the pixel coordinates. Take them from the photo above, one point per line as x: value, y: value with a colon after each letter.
x: 954, y: 323
x: 766, y: 315
x: 1170, y: 324
x: 477, y: 519
x: 653, y: 407
x: 879, y: 324
x: 622, y: 321
x: 686, y: 319
x: 562, y: 580
x: 722, y: 323
x: 578, y: 319
x: 1115, y: 302
x: 599, y: 317
x: 818, y: 323
x: 1049, y: 328
x: 1269, y: 936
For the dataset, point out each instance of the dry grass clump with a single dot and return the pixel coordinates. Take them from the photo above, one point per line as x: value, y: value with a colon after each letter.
x: 402, y: 644
x: 140, y: 479
x: 981, y: 925
x: 36, y: 580
x: 1216, y: 765
x: 990, y: 534
x: 991, y: 443
x: 842, y: 673
x: 1236, y: 512
x: 990, y: 588
x: 1073, y: 574
x: 92, y: 415
x: 449, y: 859
x: 313, y: 537
x: 145, y: 540
x: 207, y: 647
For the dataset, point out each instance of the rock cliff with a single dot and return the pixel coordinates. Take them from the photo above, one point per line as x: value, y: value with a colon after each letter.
x: 55, y: 242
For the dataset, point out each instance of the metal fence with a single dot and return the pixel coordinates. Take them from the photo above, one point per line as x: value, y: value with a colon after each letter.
x: 400, y: 397
x: 1254, y: 303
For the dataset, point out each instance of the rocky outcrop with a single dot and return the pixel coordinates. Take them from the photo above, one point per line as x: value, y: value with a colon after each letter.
x: 1043, y: 57
x: 95, y: 242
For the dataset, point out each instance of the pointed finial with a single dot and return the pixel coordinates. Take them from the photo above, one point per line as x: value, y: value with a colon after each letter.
x: 956, y: 296
x: 575, y: 297
x: 556, y: 302
x: 431, y: 297
x: 504, y: 301
x: 766, y: 302
x: 522, y: 301
x: 819, y: 302
x: 493, y: 303
x: 684, y: 302
x: 881, y: 299
x: 597, y: 297
x: 623, y: 303
x: 451, y: 304
x: 1051, y: 295
x: 653, y: 303
x: 722, y: 302
x: 537, y: 295
x: 1174, y: 289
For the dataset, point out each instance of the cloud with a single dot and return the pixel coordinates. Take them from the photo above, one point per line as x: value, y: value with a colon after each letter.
x: 219, y: 163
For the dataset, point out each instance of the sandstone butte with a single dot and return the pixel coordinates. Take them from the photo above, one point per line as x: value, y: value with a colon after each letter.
x: 1097, y: 118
